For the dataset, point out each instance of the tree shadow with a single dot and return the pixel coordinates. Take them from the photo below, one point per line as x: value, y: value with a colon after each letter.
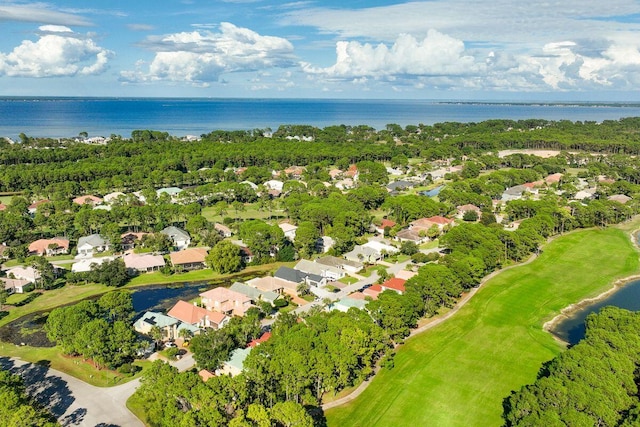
x: 107, y: 425
x: 3, y: 314
x: 6, y: 363
x: 50, y: 391
x: 75, y: 418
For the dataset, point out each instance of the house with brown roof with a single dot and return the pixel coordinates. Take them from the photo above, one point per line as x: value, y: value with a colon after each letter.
x: 256, y: 342
x: 189, y: 259
x: 49, y: 247
x: 129, y: 240
x: 620, y: 198
x: 352, y: 172
x: 197, y: 316
x: 394, y: 284
x: 408, y: 235
x: 384, y: 224
x: 87, y: 200
x: 373, y: 291
x: 143, y: 263
x: 226, y: 301
x: 426, y: 223
x: 33, y: 207
x: 554, y: 178
x: 295, y: 172
x: 3, y: 207
x: 222, y: 229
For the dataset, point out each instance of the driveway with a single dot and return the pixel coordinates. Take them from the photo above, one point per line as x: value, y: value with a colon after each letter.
x: 74, y: 402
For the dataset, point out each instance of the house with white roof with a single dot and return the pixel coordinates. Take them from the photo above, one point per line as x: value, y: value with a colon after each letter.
x: 180, y: 238
x: 29, y: 274
x: 88, y: 245
x: 289, y: 230
x: 85, y: 265
x: 326, y: 271
x: 143, y: 263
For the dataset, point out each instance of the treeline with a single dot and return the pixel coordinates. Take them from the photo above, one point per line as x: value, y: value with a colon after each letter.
x: 170, y: 398
x: 16, y: 408
x: 156, y: 159
x: 594, y: 383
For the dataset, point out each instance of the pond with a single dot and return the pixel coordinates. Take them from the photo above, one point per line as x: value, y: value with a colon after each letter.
x: 572, y: 329
x: 433, y: 192
x: 163, y: 297
x: 29, y: 329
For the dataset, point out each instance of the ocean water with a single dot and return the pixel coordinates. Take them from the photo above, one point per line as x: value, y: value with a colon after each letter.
x: 67, y: 117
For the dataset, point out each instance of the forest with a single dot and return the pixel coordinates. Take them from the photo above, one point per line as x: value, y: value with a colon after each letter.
x: 593, y: 383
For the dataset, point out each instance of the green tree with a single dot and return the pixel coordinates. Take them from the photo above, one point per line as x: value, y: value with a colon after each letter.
x: 306, y: 237
x: 225, y: 257
x: 291, y: 414
x: 117, y: 305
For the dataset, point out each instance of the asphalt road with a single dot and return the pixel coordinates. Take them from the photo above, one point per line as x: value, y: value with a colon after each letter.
x: 74, y: 402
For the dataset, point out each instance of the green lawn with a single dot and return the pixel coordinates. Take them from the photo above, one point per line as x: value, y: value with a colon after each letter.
x: 458, y: 373
x: 55, y: 298
x: 71, y: 365
x: 157, y: 278
x: 251, y: 211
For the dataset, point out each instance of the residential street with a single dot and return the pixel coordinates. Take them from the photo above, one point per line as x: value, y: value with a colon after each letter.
x: 74, y: 402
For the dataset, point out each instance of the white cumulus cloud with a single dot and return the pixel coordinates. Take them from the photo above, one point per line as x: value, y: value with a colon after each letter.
x: 201, y: 57
x: 436, y: 54
x: 58, y: 52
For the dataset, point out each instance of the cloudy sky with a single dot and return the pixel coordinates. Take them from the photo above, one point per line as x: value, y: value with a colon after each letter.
x: 437, y: 49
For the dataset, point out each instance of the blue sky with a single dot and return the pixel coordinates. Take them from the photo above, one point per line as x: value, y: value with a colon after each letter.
x: 439, y: 49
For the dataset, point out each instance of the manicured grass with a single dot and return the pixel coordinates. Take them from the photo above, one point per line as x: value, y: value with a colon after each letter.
x: 134, y: 403
x: 157, y: 278
x: 55, y: 298
x: 458, y: 373
x: 251, y: 211
x: 348, y: 280
x: 14, y: 299
x: 80, y: 369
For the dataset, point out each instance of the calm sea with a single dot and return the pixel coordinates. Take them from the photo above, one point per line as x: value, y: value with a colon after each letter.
x: 66, y: 117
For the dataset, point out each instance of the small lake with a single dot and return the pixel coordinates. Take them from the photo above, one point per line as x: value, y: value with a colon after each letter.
x: 572, y: 329
x: 163, y: 297
x: 433, y: 192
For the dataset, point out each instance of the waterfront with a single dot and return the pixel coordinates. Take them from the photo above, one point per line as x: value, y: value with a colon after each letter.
x: 571, y: 329
x: 67, y: 117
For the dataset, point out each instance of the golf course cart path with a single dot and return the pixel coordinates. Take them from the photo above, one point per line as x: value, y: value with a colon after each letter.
x: 436, y: 321
x: 72, y: 401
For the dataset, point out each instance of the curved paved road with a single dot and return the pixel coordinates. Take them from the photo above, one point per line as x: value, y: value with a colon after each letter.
x: 74, y: 402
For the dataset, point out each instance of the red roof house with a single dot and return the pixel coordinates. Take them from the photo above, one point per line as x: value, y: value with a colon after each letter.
x: 394, y: 284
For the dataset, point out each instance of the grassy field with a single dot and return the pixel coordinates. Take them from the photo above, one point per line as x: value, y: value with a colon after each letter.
x: 55, y: 298
x: 458, y: 373
x: 251, y: 211
x: 71, y: 365
x: 157, y: 278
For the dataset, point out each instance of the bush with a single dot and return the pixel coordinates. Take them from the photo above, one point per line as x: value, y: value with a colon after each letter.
x: 172, y: 353
x: 419, y: 258
x: 126, y: 368
x: 281, y: 303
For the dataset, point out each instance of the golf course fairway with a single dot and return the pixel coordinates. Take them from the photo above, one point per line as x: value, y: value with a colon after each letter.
x: 459, y: 372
